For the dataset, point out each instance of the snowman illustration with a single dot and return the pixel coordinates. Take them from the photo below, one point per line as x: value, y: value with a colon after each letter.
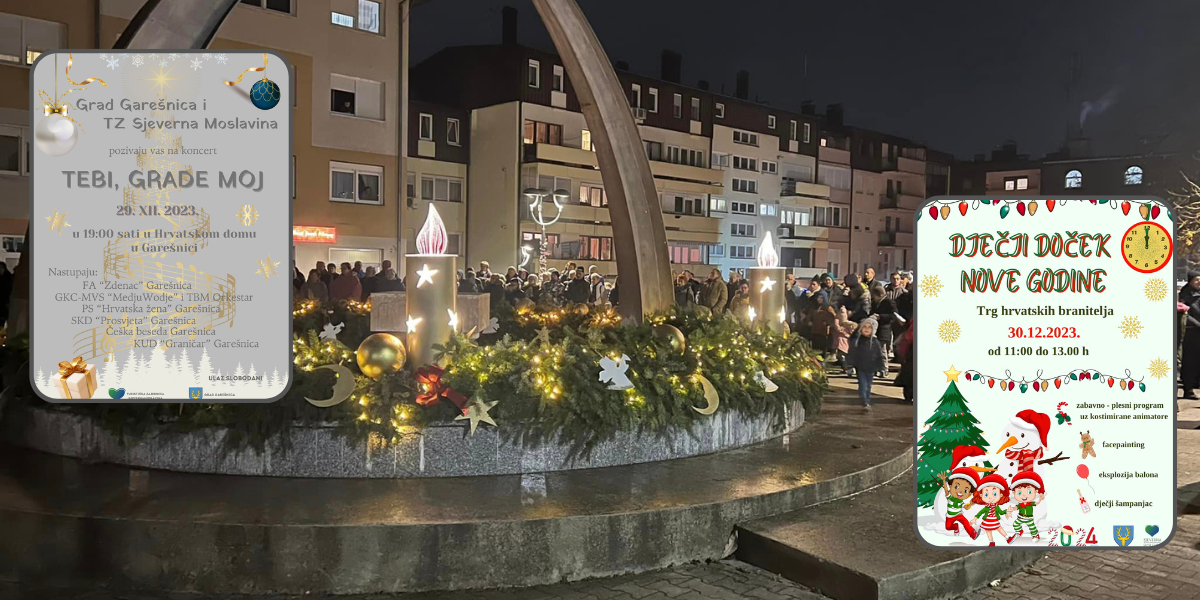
x: 972, y: 458
x: 1024, y: 448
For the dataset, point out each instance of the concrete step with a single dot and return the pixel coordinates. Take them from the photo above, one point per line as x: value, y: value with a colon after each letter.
x: 864, y: 547
x: 73, y: 523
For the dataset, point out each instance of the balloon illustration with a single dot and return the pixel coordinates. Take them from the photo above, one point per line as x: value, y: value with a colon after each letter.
x: 1083, y: 473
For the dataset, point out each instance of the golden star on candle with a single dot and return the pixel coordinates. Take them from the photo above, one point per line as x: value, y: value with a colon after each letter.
x: 750, y: 311
x: 453, y: 319
x: 425, y: 275
x: 477, y: 412
x: 766, y: 284
x: 411, y: 324
x: 952, y: 375
x: 783, y: 314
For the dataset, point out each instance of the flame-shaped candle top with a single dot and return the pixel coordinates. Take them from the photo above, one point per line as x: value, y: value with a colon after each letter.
x: 432, y: 237
x: 767, y: 257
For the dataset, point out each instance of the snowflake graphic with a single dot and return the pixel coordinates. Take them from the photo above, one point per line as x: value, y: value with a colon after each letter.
x: 113, y: 63
x: 196, y: 64
x: 931, y: 286
x: 1159, y: 368
x: 153, y: 56
x: 1156, y: 290
x: 1131, y: 327
x: 206, y: 56
x: 105, y: 56
x: 949, y: 331
x: 221, y: 58
x: 266, y: 268
x: 163, y: 63
x: 172, y: 56
x: 57, y: 222
x: 247, y: 215
x: 138, y: 60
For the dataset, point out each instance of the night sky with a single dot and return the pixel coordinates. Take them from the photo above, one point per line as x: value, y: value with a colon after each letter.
x: 952, y: 75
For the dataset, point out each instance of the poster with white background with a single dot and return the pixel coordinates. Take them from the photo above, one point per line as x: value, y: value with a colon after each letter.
x: 1045, y: 373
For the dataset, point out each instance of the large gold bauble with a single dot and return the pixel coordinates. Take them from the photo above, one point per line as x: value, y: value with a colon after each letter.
x: 703, y: 312
x: 381, y: 354
x: 672, y: 335
x: 580, y: 309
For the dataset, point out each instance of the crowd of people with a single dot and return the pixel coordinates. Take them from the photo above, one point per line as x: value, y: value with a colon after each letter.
x: 860, y: 324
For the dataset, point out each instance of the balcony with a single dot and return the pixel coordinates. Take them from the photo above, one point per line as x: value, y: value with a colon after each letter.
x: 800, y: 188
x: 697, y: 180
x: 560, y: 154
x: 802, y: 236
x: 906, y: 202
x: 835, y: 156
x: 896, y: 238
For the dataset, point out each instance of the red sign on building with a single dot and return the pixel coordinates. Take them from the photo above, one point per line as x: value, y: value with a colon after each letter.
x: 314, y: 235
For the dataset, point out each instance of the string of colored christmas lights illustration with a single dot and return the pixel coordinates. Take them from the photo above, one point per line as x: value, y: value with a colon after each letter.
x: 944, y: 209
x: 1041, y: 384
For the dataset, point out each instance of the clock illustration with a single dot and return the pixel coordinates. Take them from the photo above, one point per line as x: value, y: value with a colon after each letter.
x: 1146, y: 247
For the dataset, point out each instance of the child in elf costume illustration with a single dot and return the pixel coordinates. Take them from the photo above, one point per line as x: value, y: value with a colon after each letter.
x: 1027, y: 492
x: 991, y: 493
x: 959, y: 487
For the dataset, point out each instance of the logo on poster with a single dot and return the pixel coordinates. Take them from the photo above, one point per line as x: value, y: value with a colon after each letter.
x: 1122, y: 534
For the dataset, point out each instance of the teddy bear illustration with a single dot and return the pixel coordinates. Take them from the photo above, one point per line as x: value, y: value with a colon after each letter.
x: 1087, y: 445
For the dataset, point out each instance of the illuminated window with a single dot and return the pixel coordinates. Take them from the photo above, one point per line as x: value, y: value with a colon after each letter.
x: 1133, y: 175
x: 1074, y: 179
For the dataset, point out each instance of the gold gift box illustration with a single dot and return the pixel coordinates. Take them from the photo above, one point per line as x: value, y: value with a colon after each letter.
x: 76, y: 379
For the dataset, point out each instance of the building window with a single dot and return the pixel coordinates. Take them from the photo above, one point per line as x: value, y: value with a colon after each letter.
x: 586, y: 141
x: 770, y: 167
x: 426, y: 132
x: 368, y: 15
x: 452, y: 131
x: 12, y: 154
x: 279, y: 6
x: 719, y: 110
x: 748, y: 186
x: 745, y: 137
x: 338, y: 18
x: 770, y: 121
x: 695, y: 109
x: 356, y: 184
x: 795, y: 217
x: 1074, y: 179
x: 741, y: 208
x: 767, y: 210
x: 593, y: 195
x: 594, y: 248
x: 558, y: 82
x: 453, y: 243
x: 716, y: 250
x: 654, y: 150
x: 677, y: 106
x: 677, y: 155
x: 688, y: 206
x: 716, y: 205
x: 741, y: 251
x: 741, y: 229
x: 837, y: 178
x: 1016, y: 183
x: 745, y: 164
x: 534, y: 74
x: 807, y: 133
x: 792, y: 132
x: 441, y: 189
x: 653, y: 92
x: 537, y: 132
x: 686, y: 253
x: 410, y: 187
x: 636, y: 99
x: 828, y: 216
x: 720, y: 160
x: 1133, y: 175
x: 356, y: 97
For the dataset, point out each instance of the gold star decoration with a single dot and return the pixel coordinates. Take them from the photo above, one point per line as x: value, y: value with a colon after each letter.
x: 1131, y: 327
x: 247, y: 215
x: 543, y: 336
x: 766, y: 284
x: 477, y: 412
x: 949, y: 331
x: 453, y: 319
x: 1156, y: 290
x: 410, y: 324
x: 266, y: 268
x: 57, y: 222
x: 425, y: 275
x: 783, y: 314
x: 750, y: 312
x: 1159, y: 368
x: 160, y: 80
x: 930, y: 286
x: 952, y: 374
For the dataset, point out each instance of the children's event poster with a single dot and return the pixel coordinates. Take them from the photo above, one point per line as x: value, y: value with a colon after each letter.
x: 1045, y: 373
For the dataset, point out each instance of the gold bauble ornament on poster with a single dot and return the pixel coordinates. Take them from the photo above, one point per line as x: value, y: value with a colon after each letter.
x: 580, y: 309
x: 671, y: 335
x: 381, y: 354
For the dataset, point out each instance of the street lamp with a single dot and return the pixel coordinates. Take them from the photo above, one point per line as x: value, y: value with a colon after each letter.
x: 537, y: 213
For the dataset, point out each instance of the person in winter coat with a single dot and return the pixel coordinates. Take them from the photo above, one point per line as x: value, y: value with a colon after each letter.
x: 843, y: 329
x: 578, y: 288
x: 855, y: 302
x: 740, y: 303
x: 884, y: 310
x: 714, y: 294
x: 821, y: 331
x: 866, y: 356
x: 904, y: 351
x: 314, y: 288
x: 684, y: 295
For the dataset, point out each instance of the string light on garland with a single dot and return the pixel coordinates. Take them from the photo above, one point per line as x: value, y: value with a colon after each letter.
x: 941, y: 209
x: 1041, y: 384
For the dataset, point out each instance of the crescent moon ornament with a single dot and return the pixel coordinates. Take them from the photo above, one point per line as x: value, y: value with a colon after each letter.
x: 710, y: 394
x: 342, y: 388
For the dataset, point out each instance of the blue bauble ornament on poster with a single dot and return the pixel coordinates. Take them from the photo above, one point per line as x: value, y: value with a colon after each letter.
x: 265, y: 94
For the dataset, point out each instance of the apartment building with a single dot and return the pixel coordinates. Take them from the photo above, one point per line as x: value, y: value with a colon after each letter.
x: 26, y: 30
x: 346, y: 58
x: 1005, y: 173
x: 439, y: 151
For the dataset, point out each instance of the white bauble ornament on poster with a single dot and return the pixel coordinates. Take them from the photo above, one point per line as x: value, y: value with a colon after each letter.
x: 56, y: 135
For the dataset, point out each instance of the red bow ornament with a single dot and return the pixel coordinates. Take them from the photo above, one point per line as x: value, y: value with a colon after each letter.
x: 429, y: 379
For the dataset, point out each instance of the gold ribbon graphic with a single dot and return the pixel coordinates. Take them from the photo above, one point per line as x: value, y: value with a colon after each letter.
x: 262, y: 68
x: 76, y: 365
x: 85, y: 81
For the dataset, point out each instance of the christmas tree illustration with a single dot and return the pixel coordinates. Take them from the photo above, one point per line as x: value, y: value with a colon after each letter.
x: 950, y: 426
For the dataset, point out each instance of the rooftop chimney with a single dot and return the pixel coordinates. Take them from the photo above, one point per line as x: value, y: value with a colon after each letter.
x: 621, y: 65
x: 743, y: 85
x: 834, y: 114
x: 508, y: 31
x: 672, y: 66
x: 808, y: 108
x: 702, y: 84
